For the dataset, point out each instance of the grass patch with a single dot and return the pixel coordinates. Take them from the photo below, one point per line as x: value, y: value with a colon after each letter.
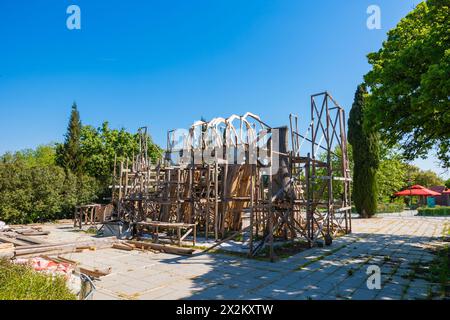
x: 91, y: 230
x: 281, y: 252
x: 320, y: 257
x: 437, y: 271
x: 21, y: 282
x: 284, y: 250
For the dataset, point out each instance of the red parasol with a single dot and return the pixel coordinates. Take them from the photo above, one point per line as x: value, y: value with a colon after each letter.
x: 417, y: 190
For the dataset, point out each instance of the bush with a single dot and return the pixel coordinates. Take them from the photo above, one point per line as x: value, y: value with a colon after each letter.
x: 390, y: 207
x: 41, y: 192
x: 436, y: 211
x: 386, y: 208
x: 21, y: 282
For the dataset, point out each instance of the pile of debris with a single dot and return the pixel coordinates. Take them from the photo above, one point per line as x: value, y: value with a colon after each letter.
x: 21, y: 242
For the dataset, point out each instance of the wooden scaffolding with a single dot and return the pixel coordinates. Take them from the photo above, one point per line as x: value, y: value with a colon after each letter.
x: 240, y: 176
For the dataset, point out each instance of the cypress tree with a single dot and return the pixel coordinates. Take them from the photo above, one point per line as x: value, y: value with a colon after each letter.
x: 365, y: 147
x: 70, y: 156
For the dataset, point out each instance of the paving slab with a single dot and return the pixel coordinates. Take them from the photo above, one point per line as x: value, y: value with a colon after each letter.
x: 394, y: 242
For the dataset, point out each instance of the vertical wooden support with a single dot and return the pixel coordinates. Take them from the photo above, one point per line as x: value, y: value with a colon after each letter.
x: 119, y: 200
x: 192, y: 188
x: 308, y: 198
x: 208, y: 200
x: 329, y: 167
x: 224, y: 199
x: 114, y: 180
x: 252, y: 204
x: 216, y: 201
x: 270, y: 222
x: 312, y: 174
x: 126, y: 178
x: 178, y: 195
x: 346, y: 172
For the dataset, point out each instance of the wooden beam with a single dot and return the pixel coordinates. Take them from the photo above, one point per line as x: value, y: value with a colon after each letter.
x: 162, y: 247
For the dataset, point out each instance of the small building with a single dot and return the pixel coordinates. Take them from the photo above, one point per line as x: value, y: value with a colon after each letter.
x: 444, y: 198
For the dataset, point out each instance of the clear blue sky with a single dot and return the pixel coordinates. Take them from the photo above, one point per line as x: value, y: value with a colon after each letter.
x: 167, y: 63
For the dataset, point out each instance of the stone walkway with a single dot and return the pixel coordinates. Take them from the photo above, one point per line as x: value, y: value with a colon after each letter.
x: 393, y: 243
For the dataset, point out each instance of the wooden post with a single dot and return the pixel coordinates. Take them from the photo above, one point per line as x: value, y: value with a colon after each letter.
x: 271, y: 215
x: 195, y: 234
x: 216, y: 201
x: 330, y: 209
x: 208, y: 200
x: 252, y: 203
x: 178, y: 195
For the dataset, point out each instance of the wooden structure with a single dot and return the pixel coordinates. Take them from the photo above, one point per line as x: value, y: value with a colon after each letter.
x: 91, y: 214
x: 240, y: 176
x: 156, y: 226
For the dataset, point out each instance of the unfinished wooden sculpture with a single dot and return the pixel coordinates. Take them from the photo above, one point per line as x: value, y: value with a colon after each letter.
x: 240, y: 176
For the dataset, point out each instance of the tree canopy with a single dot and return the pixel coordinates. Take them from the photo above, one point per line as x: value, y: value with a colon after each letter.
x: 47, y: 182
x: 69, y: 155
x: 410, y: 83
x: 101, y: 146
x: 33, y: 188
x: 426, y: 178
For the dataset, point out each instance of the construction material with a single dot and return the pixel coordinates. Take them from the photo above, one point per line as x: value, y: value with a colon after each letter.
x: 6, y: 250
x: 31, y: 240
x: 225, y: 175
x: 94, y: 273
x: 122, y: 246
x: 34, y: 233
x: 91, y: 214
x: 156, y: 226
x: 162, y: 247
x: 47, y: 265
x: 13, y: 241
x: 54, y: 249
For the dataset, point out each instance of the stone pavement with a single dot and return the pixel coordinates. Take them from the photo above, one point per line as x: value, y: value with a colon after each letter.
x: 394, y: 243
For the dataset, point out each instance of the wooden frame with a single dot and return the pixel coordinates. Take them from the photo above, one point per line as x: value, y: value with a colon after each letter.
x: 197, y: 186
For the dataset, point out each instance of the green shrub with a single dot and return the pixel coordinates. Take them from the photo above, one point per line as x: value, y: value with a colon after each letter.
x: 390, y: 207
x: 436, y: 211
x: 41, y: 192
x: 21, y: 282
x: 387, y: 207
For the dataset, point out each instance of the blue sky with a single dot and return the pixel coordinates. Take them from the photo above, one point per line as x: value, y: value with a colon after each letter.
x: 165, y: 64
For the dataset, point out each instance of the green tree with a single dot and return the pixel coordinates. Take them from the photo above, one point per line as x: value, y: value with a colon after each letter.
x: 102, y: 146
x: 69, y: 155
x: 365, y: 156
x: 426, y: 178
x: 391, y: 176
x: 410, y: 83
x: 447, y: 183
x: 34, y: 189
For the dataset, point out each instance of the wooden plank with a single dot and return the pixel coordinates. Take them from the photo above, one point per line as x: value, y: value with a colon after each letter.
x: 162, y: 247
x: 64, y: 248
x: 34, y: 233
x: 4, y: 246
x: 31, y: 240
x: 226, y: 239
x: 122, y: 247
x: 13, y: 241
x: 186, y: 234
x: 95, y: 273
